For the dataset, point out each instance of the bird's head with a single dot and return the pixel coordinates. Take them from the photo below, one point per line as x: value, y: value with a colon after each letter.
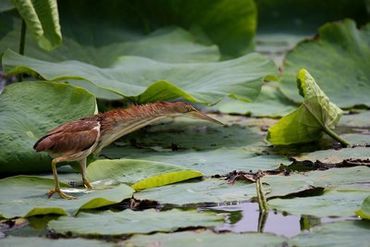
x: 190, y: 111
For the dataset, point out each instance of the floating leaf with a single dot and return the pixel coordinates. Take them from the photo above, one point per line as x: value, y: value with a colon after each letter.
x: 130, y: 222
x: 220, y: 161
x: 345, y: 188
x: 26, y: 117
x: 24, y: 196
x: 360, y: 120
x: 340, y: 64
x: 316, y: 114
x: 331, y: 203
x: 206, y: 238
x: 147, y: 80
x: 354, y: 178
x: 332, y: 156
x: 34, y: 241
x: 200, y: 146
x: 42, y: 19
x: 207, y: 191
x: 364, y: 211
x: 344, y: 233
x: 140, y: 174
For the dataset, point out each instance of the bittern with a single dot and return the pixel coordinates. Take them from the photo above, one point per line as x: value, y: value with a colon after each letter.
x: 75, y: 140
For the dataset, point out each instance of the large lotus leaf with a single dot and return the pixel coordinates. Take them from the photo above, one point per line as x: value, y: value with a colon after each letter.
x: 359, y: 120
x: 364, y: 211
x: 211, y: 162
x: 340, y: 63
x: 331, y: 203
x: 269, y: 103
x: 343, y: 234
x: 37, y: 242
x: 147, y: 80
x: 218, y: 150
x: 27, y: 111
x: 332, y: 156
x: 25, y: 196
x: 129, y: 222
x: 316, y: 114
x: 357, y: 139
x: 168, y: 44
x: 42, y: 20
x: 354, y: 178
x: 231, y: 27
x: 206, y: 238
x: 207, y: 191
x: 140, y: 174
x: 282, y: 24
x: 197, y: 135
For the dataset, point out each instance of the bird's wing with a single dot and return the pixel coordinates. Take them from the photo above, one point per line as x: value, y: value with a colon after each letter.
x: 70, y: 137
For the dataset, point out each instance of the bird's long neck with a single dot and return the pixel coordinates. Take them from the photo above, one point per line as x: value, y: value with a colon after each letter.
x: 120, y: 122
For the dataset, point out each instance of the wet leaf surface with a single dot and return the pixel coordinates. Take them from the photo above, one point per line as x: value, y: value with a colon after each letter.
x: 345, y: 233
x: 332, y: 156
x: 34, y: 241
x: 130, y: 222
x: 206, y: 238
x: 139, y: 174
x: 27, y: 196
x: 203, y: 192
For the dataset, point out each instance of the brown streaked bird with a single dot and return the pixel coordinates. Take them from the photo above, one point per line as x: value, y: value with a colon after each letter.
x: 75, y: 140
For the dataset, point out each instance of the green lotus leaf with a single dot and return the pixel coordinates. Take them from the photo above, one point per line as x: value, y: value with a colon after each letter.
x: 332, y: 156
x: 35, y: 241
x: 364, y: 211
x: 140, y: 174
x: 269, y: 103
x: 206, y: 238
x: 354, y: 178
x: 229, y: 26
x: 130, y: 222
x: 42, y: 19
x: 344, y: 190
x: 146, y: 80
x: 306, y: 124
x: 25, y: 196
x: 343, y: 233
x: 202, y: 146
x: 359, y: 120
x: 331, y: 203
x: 339, y: 59
x: 27, y: 111
x: 206, y: 191
x: 211, y: 162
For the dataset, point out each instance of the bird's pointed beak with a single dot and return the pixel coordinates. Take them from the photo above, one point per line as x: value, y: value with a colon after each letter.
x: 200, y: 115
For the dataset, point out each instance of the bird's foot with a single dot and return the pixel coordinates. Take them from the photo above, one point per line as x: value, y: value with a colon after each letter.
x: 87, y: 184
x: 60, y: 193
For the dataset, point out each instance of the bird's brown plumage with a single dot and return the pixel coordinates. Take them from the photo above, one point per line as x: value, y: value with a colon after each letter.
x: 73, y: 136
x: 74, y: 141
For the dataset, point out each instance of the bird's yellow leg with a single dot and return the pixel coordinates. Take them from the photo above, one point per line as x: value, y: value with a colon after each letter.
x: 83, y: 173
x: 56, y: 181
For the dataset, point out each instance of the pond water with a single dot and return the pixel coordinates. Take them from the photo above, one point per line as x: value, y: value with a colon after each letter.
x: 245, y: 217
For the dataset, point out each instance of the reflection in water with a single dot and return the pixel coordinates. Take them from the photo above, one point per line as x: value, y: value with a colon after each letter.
x: 252, y: 221
x: 245, y: 217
